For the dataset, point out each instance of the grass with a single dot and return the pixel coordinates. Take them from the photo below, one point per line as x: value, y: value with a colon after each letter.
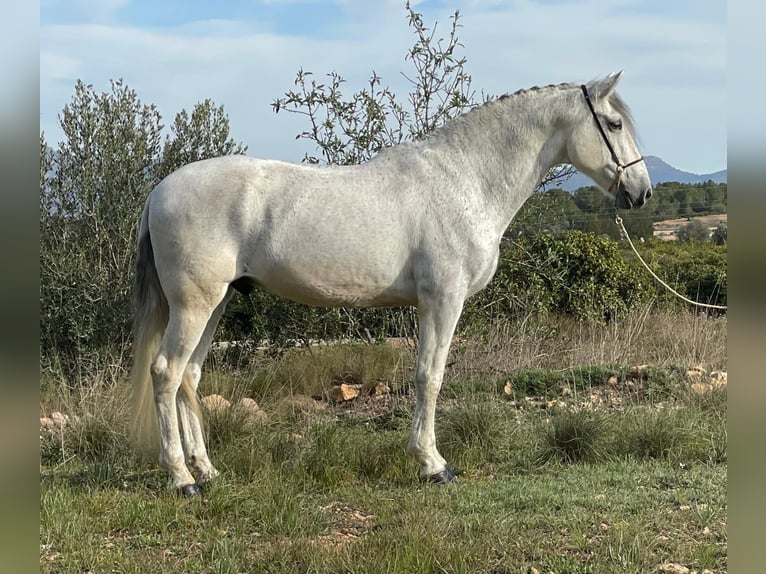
x: 548, y: 478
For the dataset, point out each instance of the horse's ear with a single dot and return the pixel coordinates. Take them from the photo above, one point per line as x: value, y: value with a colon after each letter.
x: 605, y: 86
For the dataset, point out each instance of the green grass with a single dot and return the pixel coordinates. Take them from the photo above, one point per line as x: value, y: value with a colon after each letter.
x: 631, y: 493
x: 624, y: 516
x: 547, y: 478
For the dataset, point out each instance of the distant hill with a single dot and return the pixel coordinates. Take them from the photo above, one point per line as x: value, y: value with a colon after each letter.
x: 659, y: 172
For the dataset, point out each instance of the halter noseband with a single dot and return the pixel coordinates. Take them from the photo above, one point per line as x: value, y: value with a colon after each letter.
x: 621, y: 167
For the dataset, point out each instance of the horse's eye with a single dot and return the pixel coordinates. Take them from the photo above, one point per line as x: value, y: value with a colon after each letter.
x: 614, y: 125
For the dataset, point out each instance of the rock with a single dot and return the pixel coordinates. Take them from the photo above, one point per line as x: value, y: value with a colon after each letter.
x: 696, y: 372
x: 566, y: 391
x: 305, y: 404
x: 215, y: 403
x: 612, y: 381
x: 59, y: 419
x: 702, y: 388
x: 343, y: 393
x: 380, y: 389
x: 639, y: 370
x: 672, y: 568
x: 248, y: 404
x: 718, y: 379
x: 532, y: 570
x: 47, y: 423
x: 253, y: 411
x: 508, y: 388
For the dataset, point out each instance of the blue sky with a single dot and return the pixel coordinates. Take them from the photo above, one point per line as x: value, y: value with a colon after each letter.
x: 244, y: 54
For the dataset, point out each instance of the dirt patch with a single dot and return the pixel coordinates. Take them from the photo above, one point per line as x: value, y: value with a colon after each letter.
x: 350, y: 524
x: 667, y: 230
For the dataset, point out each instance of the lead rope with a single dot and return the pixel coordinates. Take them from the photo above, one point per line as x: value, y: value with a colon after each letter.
x: 618, y: 221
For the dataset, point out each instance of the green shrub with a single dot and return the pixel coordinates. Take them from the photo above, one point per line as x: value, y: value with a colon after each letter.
x: 473, y: 433
x: 697, y: 270
x: 574, y: 273
x: 575, y: 436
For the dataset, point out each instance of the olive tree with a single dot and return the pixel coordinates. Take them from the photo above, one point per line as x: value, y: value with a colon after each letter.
x: 93, y: 185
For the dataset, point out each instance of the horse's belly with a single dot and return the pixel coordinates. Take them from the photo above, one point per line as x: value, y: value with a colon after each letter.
x: 314, y: 284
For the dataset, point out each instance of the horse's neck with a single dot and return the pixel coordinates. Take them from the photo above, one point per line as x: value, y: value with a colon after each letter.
x: 512, y: 143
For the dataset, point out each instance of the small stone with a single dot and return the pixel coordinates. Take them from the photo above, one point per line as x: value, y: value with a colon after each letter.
x: 47, y: 423
x: 701, y: 388
x: 695, y: 372
x: 59, y: 419
x: 612, y: 381
x: 533, y: 570
x: 672, y: 568
x: 343, y: 393
x: 305, y: 404
x: 719, y: 379
x: 248, y: 404
x: 508, y: 388
x: 380, y: 389
x: 215, y: 403
x: 253, y: 411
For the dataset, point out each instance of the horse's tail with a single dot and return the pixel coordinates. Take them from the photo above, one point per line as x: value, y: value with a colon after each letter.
x: 149, y: 322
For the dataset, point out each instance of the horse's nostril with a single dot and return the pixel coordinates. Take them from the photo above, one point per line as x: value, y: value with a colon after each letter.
x: 648, y: 193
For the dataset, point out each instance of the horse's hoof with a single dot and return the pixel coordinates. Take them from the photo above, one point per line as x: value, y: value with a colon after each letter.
x: 190, y: 490
x: 446, y: 476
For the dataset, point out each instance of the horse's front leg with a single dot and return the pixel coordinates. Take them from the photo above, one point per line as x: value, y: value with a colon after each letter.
x: 437, y: 318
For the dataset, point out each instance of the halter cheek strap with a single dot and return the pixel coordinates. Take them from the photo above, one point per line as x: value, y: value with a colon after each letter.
x: 620, y: 167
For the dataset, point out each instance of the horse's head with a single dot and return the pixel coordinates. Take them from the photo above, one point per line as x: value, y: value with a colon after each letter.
x: 602, y: 144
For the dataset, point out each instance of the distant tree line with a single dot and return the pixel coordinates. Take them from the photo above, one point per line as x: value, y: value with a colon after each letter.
x: 589, y: 209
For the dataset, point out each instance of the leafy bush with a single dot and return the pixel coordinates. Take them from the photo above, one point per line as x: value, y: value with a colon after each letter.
x: 697, y: 270
x: 720, y: 234
x: 694, y: 230
x: 575, y: 273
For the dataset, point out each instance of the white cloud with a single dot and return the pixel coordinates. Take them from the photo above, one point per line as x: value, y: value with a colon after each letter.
x: 674, y: 69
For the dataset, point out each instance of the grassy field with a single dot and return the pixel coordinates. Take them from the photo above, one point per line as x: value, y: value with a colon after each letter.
x: 571, y: 459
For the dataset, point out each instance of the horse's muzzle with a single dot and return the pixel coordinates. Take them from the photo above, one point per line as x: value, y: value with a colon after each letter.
x: 624, y: 201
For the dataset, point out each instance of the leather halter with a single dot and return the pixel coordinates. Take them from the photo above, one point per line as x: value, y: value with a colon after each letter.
x: 621, y: 167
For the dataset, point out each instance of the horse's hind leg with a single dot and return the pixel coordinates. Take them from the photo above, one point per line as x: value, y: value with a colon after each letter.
x: 188, y: 318
x: 188, y: 409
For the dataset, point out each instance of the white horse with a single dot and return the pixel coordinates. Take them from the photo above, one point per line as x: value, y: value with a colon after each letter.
x: 419, y: 224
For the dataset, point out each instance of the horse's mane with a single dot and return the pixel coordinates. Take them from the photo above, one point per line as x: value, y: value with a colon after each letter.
x: 614, y: 99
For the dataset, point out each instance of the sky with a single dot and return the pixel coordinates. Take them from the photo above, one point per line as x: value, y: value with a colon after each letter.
x: 244, y: 54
